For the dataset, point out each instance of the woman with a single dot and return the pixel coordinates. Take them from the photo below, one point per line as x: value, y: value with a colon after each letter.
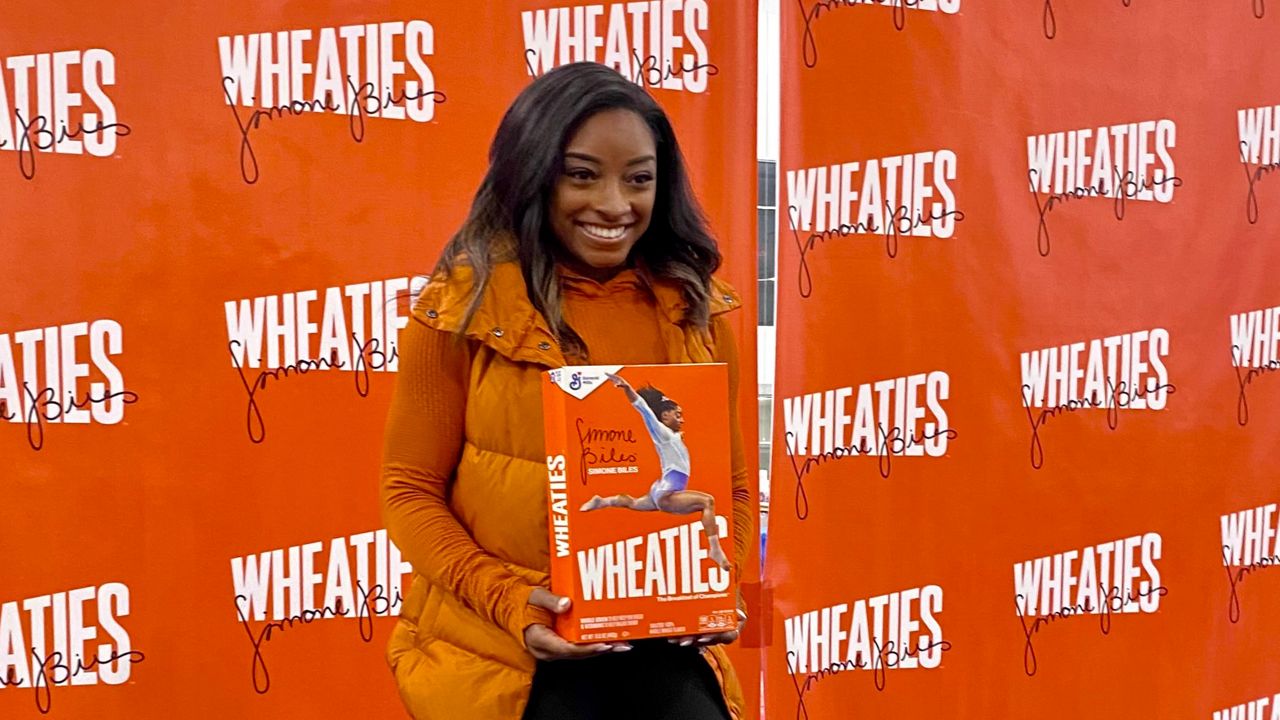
x: 584, y: 244
x: 664, y: 419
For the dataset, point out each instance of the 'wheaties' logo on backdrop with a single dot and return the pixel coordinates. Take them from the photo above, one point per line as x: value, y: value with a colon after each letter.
x: 302, y: 584
x: 1255, y: 352
x: 1120, y: 372
x: 1125, y: 162
x: 896, y: 631
x: 654, y: 44
x: 356, y: 331
x: 377, y: 70
x: 1250, y: 543
x: 897, y: 417
x: 45, y: 379
x: 49, y: 642
x: 1112, y: 578
x: 901, y: 196
x: 1259, y: 132
x: 57, y: 103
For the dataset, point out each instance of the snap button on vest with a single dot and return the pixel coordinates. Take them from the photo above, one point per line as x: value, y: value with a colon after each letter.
x: 544, y: 346
x: 433, y: 314
x: 497, y: 332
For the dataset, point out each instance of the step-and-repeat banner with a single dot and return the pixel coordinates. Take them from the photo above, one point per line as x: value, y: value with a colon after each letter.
x: 1028, y: 401
x: 211, y: 216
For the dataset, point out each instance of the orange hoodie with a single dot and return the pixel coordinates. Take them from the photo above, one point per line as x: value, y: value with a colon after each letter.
x: 464, y: 474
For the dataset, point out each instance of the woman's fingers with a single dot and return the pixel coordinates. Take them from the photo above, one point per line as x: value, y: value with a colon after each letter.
x: 545, y: 644
x: 547, y: 600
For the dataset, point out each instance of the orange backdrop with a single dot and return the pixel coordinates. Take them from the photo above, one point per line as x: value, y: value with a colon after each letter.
x: 198, y: 331
x: 1020, y: 240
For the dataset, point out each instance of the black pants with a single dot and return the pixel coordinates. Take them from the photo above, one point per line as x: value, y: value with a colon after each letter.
x: 655, y: 680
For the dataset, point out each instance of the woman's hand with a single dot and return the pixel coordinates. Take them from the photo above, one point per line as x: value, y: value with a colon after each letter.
x: 545, y: 644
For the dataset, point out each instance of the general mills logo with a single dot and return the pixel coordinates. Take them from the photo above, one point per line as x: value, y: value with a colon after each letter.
x: 575, y: 381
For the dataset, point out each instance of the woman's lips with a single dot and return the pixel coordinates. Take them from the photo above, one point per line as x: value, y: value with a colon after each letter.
x: 604, y: 233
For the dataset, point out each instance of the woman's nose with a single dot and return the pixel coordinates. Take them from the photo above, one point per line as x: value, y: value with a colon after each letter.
x: 611, y: 201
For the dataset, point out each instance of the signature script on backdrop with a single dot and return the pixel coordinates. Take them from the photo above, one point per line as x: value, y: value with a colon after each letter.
x: 44, y: 406
x: 369, y: 356
x: 1237, y: 575
x: 372, y: 602
x: 1253, y: 176
x: 1115, y: 601
x: 1118, y: 396
x: 1126, y: 187
x: 57, y: 670
x: 898, y: 222
x: 366, y: 102
x: 37, y: 135
x: 648, y: 69
x: 888, y: 443
x: 1245, y: 377
x: 883, y: 658
x: 1050, y: 21
x: 810, y: 13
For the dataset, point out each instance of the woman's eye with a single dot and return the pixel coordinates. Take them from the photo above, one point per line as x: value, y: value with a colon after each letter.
x: 642, y: 179
x: 580, y: 174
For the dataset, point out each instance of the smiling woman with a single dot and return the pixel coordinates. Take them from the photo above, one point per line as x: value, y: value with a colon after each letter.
x: 571, y: 151
x: 584, y: 244
x: 603, y: 200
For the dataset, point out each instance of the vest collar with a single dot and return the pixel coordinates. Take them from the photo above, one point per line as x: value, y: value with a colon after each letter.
x: 507, y: 321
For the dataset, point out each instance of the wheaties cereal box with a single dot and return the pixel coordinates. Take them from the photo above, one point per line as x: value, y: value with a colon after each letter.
x: 640, y: 500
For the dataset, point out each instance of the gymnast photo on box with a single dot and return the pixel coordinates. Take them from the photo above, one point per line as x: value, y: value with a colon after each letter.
x: 664, y: 419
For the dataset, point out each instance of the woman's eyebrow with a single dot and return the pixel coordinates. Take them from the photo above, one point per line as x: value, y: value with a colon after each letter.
x: 596, y: 160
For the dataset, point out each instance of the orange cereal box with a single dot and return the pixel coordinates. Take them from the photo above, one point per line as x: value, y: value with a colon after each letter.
x: 640, y: 500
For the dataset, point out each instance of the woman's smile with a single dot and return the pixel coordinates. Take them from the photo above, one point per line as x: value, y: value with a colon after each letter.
x: 604, y: 233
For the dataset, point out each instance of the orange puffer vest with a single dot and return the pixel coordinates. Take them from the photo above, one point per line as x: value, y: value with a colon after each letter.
x: 449, y: 662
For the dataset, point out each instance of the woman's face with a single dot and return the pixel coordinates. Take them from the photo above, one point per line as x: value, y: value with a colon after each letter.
x: 602, y: 203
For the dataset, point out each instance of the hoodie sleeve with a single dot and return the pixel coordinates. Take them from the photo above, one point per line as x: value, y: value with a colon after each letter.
x: 422, y: 445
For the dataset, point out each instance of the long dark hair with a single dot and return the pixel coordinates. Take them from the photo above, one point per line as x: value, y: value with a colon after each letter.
x: 508, y: 218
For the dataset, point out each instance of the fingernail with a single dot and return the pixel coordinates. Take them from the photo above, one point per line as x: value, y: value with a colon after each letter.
x: 671, y: 640
x: 562, y: 603
x: 621, y: 648
x: 685, y: 643
x: 703, y: 641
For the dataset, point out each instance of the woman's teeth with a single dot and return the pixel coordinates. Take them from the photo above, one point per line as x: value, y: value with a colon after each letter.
x: 604, y: 233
